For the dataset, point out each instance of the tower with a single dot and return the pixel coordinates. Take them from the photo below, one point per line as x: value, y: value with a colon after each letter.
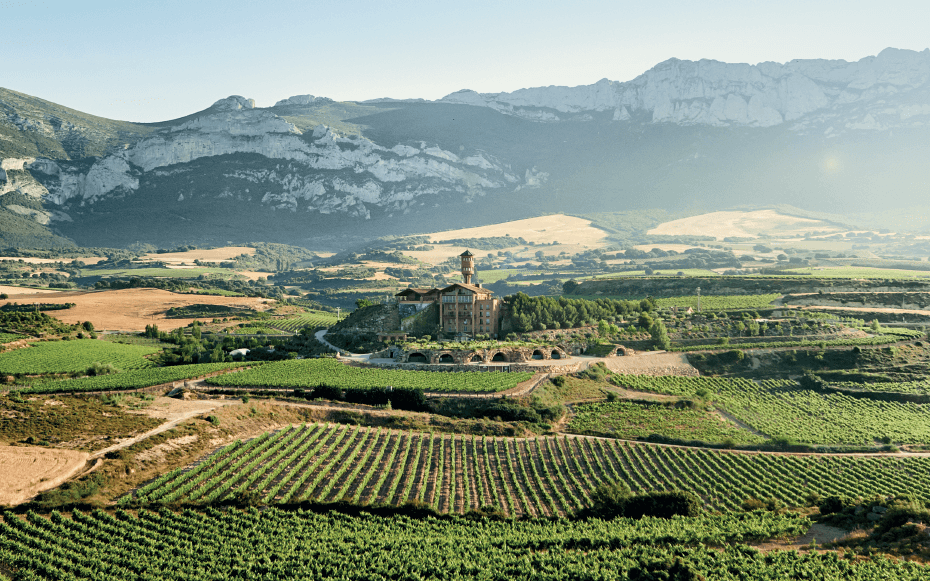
x: 468, y: 266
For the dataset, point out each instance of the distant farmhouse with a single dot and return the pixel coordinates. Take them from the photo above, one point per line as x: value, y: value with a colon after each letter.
x: 465, y: 309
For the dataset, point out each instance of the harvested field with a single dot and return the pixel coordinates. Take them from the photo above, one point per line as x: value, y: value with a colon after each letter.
x: 18, y: 292
x: 573, y: 233
x: 652, y: 364
x: 86, y: 260
x: 211, y: 255
x: 743, y: 224
x: 133, y: 309
x: 26, y: 471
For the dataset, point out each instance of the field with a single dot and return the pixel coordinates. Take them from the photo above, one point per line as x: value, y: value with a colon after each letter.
x: 73, y: 356
x: 205, y: 255
x: 779, y: 408
x: 177, y: 272
x: 858, y: 272
x: 133, y: 309
x: 720, y: 303
x: 316, y: 372
x: 312, y: 319
x: 572, y: 234
x: 129, y: 379
x: 254, y: 330
x: 275, y: 545
x: 631, y: 420
x: 540, y: 477
x: 743, y: 224
x: 24, y: 471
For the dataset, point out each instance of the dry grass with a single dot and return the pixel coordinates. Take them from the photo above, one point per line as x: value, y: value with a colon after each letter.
x: 573, y: 234
x: 211, y: 255
x: 744, y: 224
x: 20, y: 292
x: 86, y: 260
x: 133, y: 309
x: 26, y: 471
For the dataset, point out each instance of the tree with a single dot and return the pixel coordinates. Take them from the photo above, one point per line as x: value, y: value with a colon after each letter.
x: 88, y: 326
x: 4, y: 296
x: 569, y: 286
x: 645, y: 321
x: 362, y: 303
x: 603, y: 329
x: 660, y: 335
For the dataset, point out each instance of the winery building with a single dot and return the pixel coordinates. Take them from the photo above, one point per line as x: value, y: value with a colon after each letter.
x: 465, y: 309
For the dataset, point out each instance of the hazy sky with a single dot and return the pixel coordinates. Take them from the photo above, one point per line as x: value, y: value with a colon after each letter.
x: 148, y: 61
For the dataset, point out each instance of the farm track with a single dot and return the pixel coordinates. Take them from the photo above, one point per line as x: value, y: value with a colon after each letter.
x: 544, y: 476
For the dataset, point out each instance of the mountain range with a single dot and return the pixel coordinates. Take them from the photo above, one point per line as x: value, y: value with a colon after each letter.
x: 849, y: 138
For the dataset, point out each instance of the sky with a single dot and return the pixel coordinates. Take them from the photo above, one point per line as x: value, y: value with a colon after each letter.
x: 152, y: 61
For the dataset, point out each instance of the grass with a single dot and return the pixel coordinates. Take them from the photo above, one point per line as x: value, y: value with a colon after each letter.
x: 9, y: 338
x: 82, y: 423
x: 634, y: 420
x: 256, y: 330
x: 74, y: 356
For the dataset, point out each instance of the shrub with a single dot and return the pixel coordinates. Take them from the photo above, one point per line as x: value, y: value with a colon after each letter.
x: 213, y: 420
x: 613, y: 499
x: 833, y: 504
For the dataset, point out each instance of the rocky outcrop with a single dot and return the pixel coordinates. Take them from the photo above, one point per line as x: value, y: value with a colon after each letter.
x: 709, y: 92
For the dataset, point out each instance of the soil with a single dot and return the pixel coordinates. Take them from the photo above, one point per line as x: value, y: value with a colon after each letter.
x: 26, y: 471
x: 652, y: 364
x: 211, y: 255
x: 133, y: 309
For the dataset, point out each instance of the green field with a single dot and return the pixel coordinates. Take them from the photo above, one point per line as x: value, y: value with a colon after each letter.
x: 312, y: 319
x: 130, y: 379
x: 306, y: 373
x: 630, y: 420
x: 544, y: 476
x: 9, y: 338
x: 278, y: 545
x: 720, y: 303
x: 254, y: 330
x: 74, y: 356
x: 779, y: 408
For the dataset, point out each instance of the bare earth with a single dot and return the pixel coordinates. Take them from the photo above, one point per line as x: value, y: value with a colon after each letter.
x: 27, y: 471
x: 744, y: 224
x: 133, y: 309
x: 211, y: 255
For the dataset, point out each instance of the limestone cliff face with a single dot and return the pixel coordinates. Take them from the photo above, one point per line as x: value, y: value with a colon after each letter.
x: 710, y: 92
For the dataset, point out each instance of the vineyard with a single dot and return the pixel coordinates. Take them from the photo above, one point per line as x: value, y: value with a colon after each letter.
x: 130, y: 379
x: 312, y: 320
x: 636, y: 420
x: 316, y: 372
x: 253, y: 330
x: 277, y: 544
x: 779, y: 408
x: 720, y: 303
x: 912, y: 387
x: 73, y: 356
x: 544, y: 476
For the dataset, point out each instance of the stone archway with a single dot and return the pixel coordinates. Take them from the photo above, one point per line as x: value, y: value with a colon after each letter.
x: 621, y: 351
x: 537, y: 354
x: 417, y: 358
x: 446, y: 358
x: 499, y: 356
x: 556, y: 354
x: 474, y: 359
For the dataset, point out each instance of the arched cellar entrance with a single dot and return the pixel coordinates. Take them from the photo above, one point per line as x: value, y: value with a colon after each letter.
x: 446, y: 358
x: 538, y: 354
x: 556, y: 355
x: 417, y: 358
x: 499, y: 357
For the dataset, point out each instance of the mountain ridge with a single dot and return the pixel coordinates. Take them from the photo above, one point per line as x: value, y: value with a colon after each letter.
x: 700, y: 134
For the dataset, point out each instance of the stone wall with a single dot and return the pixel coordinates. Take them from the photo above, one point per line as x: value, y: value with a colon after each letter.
x: 473, y: 356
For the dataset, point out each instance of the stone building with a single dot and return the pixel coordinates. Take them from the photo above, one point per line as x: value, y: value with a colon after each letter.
x: 465, y: 309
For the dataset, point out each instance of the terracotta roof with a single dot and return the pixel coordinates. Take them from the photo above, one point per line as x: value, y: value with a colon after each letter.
x: 471, y: 287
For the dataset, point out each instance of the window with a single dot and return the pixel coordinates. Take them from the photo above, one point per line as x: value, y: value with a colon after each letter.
x: 488, y: 321
x: 448, y: 298
x: 464, y: 298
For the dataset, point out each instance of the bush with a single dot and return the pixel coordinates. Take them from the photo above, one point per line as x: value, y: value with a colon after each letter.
x: 558, y: 381
x: 614, y: 499
x: 833, y: 504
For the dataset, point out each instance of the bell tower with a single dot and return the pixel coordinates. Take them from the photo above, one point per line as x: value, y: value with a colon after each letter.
x: 468, y: 266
